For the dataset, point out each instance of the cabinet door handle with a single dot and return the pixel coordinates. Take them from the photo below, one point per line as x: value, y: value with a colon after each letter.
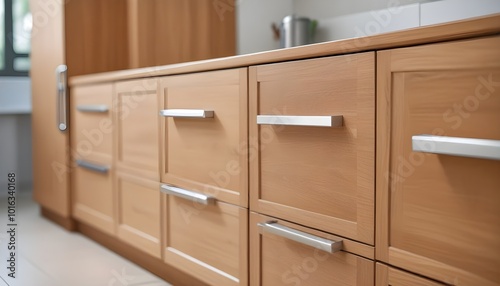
x: 187, y: 113
x: 457, y: 146
x: 301, y: 237
x: 92, y: 108
x: 317, y: 121
x: 62, y: 94
x: 92, y: 166
x: 185, y: 194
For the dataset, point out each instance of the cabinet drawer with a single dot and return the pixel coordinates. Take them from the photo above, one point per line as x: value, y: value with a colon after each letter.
x: 439, y: 199
x: 388, y: 276
x: 206, y: 152
x: 139, y: 213
x: 91, y: 123
x: 137, y: 127
x: 302, y: 170
x: 276, y: 259
x: 93, y: 195
x: 207, y: 241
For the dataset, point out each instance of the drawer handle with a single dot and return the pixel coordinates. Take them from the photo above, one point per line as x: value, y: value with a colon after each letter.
x: 456, y: 146
x: 318, y: 121
x: 188, y: 195
x: 92, y: 108
x: 301, y: 237
x: 92, y: 167
x: 187, y: 113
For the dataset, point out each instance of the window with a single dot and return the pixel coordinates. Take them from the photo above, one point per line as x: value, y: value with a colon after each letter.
x: 15, y: 29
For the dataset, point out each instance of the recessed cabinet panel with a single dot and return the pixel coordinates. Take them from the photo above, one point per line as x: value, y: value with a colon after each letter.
x: 207, y: 241
x: 278, y: 260
x: 139, y: 213
x: 438, y: 150
x: 204, y: 134
x: 137, y: 127
x: 91, y: 124
x: 312, y: 138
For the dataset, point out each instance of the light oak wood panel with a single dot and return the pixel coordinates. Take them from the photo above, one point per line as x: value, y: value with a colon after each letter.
x: 438, y: 215
x: 207, y: 155
x: 96, y: 38
x: 137, y: 123
x: 51, y: 158
x: 167, y: 32
x: 316, y: 176
x: 138, y: 216
x: 92, y: 132
x: 208, y: 241
x: 388, y: 276
x: 93, y: 199
x: 275, y: 260
x: 464, y: 29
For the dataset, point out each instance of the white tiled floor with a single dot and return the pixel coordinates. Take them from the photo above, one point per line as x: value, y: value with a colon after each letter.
x: 48, y: 255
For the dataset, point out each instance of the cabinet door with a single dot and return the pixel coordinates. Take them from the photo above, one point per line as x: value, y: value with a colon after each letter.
x: 312, y: 143
x: 50, y: 145
x: 139, y: 213
x: 388, y: 276
x: 207, y: 241
x: 279, y: 257
x: 204, y: 134
x: 137, y: 122
x: 91, y: 122
x: 94, y: 200
x: 438, y: 151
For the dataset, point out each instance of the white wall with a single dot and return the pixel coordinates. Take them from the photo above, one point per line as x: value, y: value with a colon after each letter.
x: 452, y: 10
x: 15, y: 131
x: 325, y: 9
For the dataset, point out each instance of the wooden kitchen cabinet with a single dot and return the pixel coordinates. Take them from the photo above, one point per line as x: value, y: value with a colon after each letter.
x: 93, y: 36
x: 208, y: 241
x: 277, y: 259
x: 91, y: 138
x: 136, y: 156
x: 312, y: 143
x: 204, y: 134
x: 388, y: 276
x: 438, y: 202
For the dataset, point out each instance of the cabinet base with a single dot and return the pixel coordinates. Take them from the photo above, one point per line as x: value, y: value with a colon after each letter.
x: 67, y: 223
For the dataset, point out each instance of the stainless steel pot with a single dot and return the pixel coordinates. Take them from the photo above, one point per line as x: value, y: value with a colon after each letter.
x: 295, y: 31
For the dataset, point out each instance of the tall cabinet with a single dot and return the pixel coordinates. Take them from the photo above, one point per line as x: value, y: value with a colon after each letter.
x: 65, y: 37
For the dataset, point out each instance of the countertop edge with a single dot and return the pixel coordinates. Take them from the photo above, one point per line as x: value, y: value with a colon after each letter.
x: 474, y: 27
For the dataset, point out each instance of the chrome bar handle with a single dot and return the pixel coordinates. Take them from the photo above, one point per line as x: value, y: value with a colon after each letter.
x: 187, y: 113
x: 92, y: 108
x: 320, y: 243
x: 185, y: 194
x: 315, y: 121
x: 92, y: 166
x: 457, y: 146
x: 62, y: 94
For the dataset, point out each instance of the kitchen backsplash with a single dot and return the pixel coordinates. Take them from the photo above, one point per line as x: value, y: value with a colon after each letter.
x: 341, y: 19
